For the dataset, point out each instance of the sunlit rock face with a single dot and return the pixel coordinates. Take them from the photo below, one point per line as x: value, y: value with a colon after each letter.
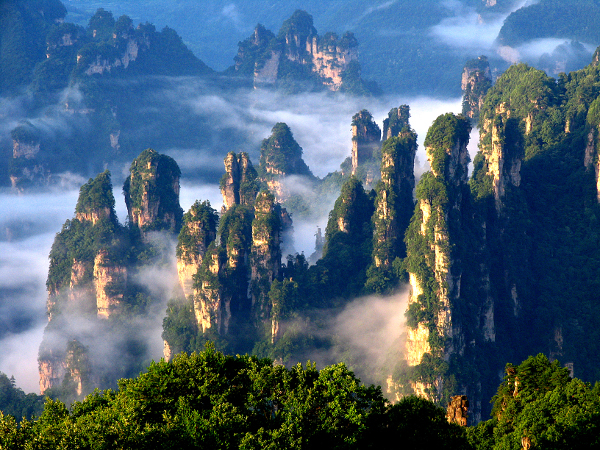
x: 457, y: 411
x: 435, y: 273
x: 322, y: 59
x: 199, y: 230
x: 265, y: 255
x: 110, y: 281
x: 394, y: 203
x: 504, y: 152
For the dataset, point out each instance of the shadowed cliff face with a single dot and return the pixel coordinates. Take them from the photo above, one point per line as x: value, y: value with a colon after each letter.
x: 152, y: 192
x: 475, y: 82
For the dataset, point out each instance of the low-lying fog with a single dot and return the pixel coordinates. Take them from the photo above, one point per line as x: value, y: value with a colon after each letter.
x: 28, y: 222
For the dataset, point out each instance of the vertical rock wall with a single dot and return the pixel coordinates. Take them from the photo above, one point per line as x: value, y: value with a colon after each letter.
x: 366, y: 137
x: 152, y: 192
x: 435, y: 270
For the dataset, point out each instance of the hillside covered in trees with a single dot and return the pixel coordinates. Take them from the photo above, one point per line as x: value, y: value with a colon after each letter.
x: 225, y: 402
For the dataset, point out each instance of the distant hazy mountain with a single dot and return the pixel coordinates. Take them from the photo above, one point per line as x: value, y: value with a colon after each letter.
x: 409, y: 46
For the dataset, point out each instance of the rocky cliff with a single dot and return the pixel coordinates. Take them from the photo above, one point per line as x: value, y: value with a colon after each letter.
x: 280, y: 157
x: 85, y: 279
x: 25, y: 167
x: 152, y: 192
x: 475, y: 82
x: 298, y: 55
x: 97, y: 304
x: 434, y: 268
x: 394, y: 202
x: 230, y: 272
x: 239, y: 184
x: 199, y: 230
x: 265, y: 254
x: 396, y: 121
x: 366, y: 142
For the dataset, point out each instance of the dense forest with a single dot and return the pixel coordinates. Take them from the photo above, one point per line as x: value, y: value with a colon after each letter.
x: 225, y: 402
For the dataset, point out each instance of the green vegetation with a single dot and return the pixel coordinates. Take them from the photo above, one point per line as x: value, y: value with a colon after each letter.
x: 153, y: 180
x: 280, y: 154
x: 199, y: 229
x: 96, y: 196
x: 394, y: 203
x: 23, y: 29
x: 541, y: 406
x: 293, y: 51
x: 551, y: 18
x: 96, y: 277
x: 396, y: 121
x: 444, y: 136
x: 209, y: 400
x: 265, y: 254
x: 80, y: 239
x: 478, y: 82
x: 14, y: 402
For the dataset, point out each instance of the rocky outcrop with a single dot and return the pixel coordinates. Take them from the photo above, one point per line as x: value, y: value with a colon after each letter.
x: 152, y: 192
x: 265, y: 253
x: 502, y: 148
x: 280, y: 157
x: 110, y: 281
x: 504, y: 159
x: 77, y: 367
x: 266, y: 74
x: 435, y: 272
x: 26, y: 150
x: 457, y: 411
x: 332, y: 56
x: 476, y: 81
x: 394, y: 203
x: 67, y: 369
x: 211, y: 310
x: 239, y: 185
x: 396, y: 121
x: 51, y: 370
x: 199, y: 230
x: 366, y: 137
x: 268, y: 58
x: 88, y: 280
x: 221, y: 289
x: 591, y: 159
x: 26, y: 170
x: 81, y: 290
x: 108, y: 61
